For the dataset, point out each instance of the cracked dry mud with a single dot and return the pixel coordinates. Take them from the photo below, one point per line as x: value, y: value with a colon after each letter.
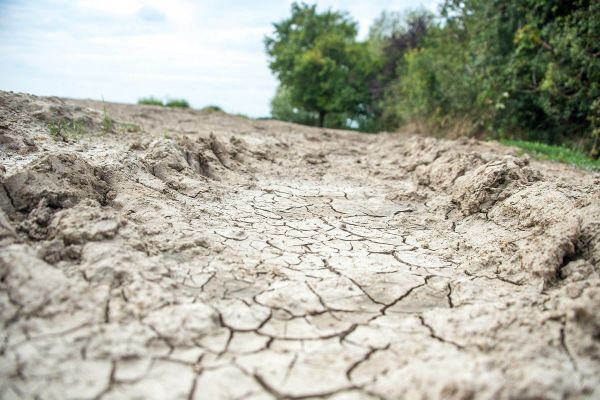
x: 215, y: 257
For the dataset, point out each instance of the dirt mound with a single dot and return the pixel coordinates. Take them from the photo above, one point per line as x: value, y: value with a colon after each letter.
x: 61, y: 180
x: 188, y: 254
x: 481, y: 188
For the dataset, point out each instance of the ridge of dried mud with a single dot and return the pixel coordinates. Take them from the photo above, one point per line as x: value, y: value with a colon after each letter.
x: 217, y: 257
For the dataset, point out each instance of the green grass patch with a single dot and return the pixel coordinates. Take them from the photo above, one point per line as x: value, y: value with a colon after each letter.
x: 66, y: 129
x: 562, y: 154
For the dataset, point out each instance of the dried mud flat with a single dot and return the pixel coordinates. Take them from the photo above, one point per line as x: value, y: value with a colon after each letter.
x: 197, y: 255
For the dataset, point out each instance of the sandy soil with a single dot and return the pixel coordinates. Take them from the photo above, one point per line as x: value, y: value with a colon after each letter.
x: 197, y: 255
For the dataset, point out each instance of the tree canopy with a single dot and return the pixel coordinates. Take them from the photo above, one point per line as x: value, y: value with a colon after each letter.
x: 318, y: 60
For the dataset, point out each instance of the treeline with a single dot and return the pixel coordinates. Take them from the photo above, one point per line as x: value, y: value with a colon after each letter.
x: 520, y: 69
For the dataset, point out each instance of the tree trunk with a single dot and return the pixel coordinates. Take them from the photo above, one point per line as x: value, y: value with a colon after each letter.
x: 322, y: 118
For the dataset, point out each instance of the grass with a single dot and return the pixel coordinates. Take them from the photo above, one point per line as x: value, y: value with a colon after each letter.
x: 555, y: 153
x: 66, y: 129
x: 107, y: 122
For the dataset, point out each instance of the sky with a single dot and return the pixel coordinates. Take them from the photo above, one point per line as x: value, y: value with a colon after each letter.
x: 209, y: 52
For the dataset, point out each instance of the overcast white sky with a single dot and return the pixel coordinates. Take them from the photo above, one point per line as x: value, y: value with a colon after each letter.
x: 208, y: 51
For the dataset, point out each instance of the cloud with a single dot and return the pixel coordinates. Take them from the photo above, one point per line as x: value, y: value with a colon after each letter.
x: 150, y: 14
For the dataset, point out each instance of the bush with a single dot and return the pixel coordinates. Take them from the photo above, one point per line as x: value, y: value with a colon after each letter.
x: 177, y: 103
x: 212, y: 108
x: 150, y: 101
x: 173, y: 103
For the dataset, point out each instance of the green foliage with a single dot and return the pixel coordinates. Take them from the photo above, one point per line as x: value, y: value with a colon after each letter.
x: 317, y: 58
x: 66, y: 129
x: 391, y: 37
x: 177, y: 103
x: 150, y: 101
x: 562, y: 154
x: 523, y: 69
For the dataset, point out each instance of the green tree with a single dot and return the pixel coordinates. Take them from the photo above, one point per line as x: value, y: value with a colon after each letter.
x: 317, y: 58
x: 391, y: 37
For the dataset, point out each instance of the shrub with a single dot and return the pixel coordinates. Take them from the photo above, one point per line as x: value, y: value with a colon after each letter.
x: 212, y: 108
x: 150, y: 101
x: 177, y: 103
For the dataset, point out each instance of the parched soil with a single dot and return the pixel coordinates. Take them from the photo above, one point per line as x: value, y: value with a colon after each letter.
x: 197, y: 255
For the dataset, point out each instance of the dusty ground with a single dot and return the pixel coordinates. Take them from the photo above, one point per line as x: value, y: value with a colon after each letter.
x: 196, y: 255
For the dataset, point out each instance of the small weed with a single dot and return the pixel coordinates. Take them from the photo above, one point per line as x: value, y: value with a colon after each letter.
x: 555, y: 153
x: 66, y: 129
x: 107, y: 122
x: 177, y: 103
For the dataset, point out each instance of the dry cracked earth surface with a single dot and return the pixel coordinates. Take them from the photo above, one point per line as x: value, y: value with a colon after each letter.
x: 189, y: 254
